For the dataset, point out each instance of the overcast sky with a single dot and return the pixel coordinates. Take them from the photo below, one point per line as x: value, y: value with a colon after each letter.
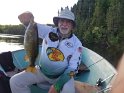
x: 43, y: 10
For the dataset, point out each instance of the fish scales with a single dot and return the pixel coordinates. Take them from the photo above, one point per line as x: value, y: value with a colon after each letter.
x: 31, y: 45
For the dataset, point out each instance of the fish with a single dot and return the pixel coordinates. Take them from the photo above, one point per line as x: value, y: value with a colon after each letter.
x: 31, y: 46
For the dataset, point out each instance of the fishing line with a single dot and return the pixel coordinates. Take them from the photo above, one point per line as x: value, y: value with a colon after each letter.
x: 93, y: 64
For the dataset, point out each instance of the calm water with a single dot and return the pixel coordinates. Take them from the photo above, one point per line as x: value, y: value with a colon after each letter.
x: 10, y: 42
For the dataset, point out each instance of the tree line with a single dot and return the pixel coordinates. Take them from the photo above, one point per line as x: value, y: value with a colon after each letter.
x: 100, y: 26
x: 12, y: 29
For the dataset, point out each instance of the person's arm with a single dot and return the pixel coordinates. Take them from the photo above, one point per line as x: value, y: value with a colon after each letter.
x: 25, y: 19
x: 118, y: 83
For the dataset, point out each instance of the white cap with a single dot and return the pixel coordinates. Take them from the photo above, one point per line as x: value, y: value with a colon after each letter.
x: 64, y: 14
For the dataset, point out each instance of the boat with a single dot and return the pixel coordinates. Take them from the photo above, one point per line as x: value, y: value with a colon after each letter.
x: 97, y: 71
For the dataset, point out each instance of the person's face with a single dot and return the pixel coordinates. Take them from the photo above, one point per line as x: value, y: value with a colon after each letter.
x: 65, y: 26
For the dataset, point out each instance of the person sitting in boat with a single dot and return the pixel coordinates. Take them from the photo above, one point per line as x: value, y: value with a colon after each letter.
x: 60, y: 55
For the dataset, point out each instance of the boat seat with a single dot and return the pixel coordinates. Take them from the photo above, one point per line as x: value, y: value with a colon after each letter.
x: 6, y: 61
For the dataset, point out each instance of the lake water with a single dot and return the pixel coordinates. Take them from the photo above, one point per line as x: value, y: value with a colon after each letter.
x: 10, y: 42
x: 4, y: 46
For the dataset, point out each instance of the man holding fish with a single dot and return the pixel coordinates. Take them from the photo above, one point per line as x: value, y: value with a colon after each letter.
x: 59, y: 57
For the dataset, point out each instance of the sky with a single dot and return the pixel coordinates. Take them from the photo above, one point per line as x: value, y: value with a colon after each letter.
x: 43, y: 10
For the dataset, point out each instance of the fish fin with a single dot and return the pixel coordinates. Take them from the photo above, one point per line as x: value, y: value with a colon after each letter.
x: 26, y: 58
x: 31, y: 69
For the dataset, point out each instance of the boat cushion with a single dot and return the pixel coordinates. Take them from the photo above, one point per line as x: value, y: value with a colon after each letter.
x: 6, y: 61
x: 4, y: 83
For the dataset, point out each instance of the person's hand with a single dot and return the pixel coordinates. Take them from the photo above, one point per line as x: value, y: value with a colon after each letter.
x: 52, y: 89
x: 25, y: 18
